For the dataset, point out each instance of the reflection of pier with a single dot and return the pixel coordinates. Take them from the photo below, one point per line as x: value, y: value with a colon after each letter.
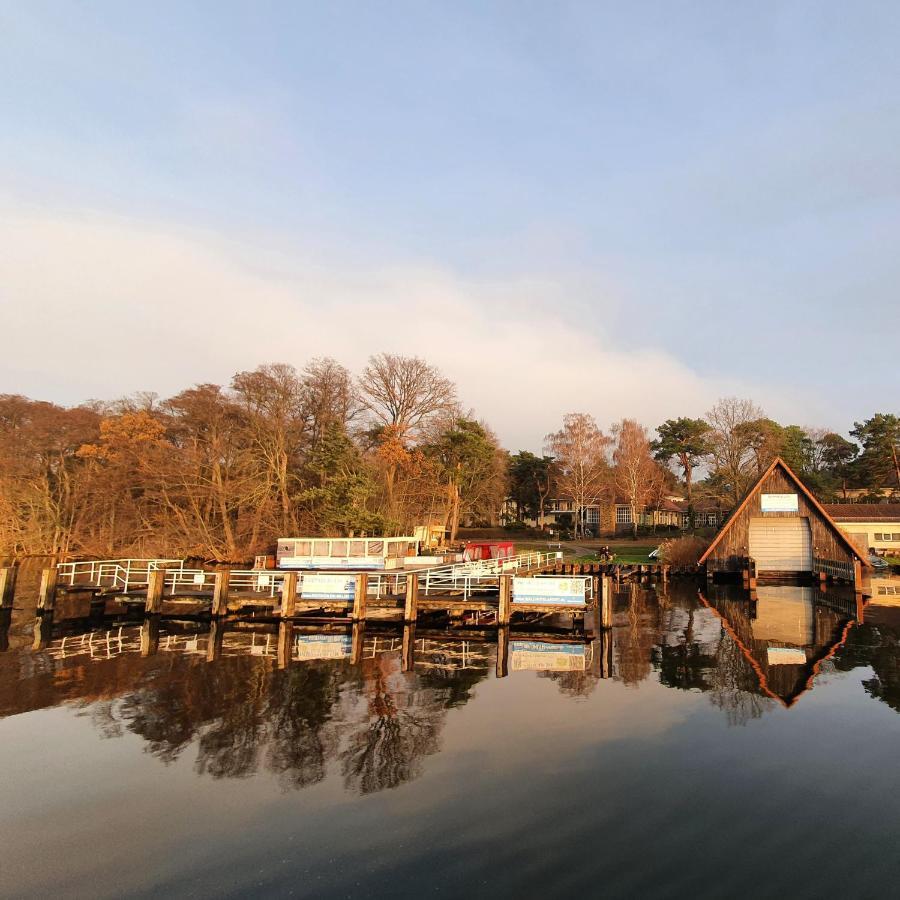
x: 786, y: 632
x: 289, y: 643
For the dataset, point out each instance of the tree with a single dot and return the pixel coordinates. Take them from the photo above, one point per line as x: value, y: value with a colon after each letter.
x: 687, y: 441
x: 837, y: 453
x: 579, y: 448
x: 271, y: 397
x: 879, y: 463
x: 403, y: 396
x: 531, y: 480
x: 636, y: 475
x: 469, y: 460
x: 340, y: 485
x: 733, y: 422
x: 327, y: 397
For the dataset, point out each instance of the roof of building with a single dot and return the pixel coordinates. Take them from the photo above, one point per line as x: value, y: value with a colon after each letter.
x: 802, y: 488
x: 863, y: 512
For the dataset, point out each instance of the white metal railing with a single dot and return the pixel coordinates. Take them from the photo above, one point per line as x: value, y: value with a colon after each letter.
x: 480, y: 576
x: 468, y: 578
x: 115, y: 573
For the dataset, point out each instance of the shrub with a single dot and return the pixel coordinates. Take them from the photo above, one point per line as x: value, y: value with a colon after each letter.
x: 683, y: 551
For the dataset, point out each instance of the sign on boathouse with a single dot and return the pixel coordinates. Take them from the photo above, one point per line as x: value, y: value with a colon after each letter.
x: 552, y: 591
x: 779, y: 503
x: 318, y: 586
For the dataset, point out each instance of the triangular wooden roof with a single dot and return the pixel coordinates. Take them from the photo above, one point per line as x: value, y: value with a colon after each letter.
x: 803, y: 489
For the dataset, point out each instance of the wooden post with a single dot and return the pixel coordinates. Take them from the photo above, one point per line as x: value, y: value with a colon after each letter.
x: 47, y: 592
x: 502, y: 652
x: 605, y: 602
x: 156, y: 581
x: 857, y: 576
x: 149, y: 636
x: 411, y: 603
x: 408, y: 656
x: 7, y: 586
x: 285, y: 642
x: 504, y: 608
x: 356, y: 645
x: 360, y: 587
x: 289, y: 595
x: 220, y: 592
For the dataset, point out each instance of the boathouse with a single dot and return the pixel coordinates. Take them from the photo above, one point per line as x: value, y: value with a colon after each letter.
x: 780, y: 528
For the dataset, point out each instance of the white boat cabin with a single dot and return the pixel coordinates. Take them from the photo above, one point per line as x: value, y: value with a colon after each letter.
x: 344, y: 553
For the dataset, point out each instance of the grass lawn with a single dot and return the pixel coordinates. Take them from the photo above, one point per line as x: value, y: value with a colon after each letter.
x: 626, y: 551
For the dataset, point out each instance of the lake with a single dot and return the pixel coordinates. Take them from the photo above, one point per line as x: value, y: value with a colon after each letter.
x: 707, y: 746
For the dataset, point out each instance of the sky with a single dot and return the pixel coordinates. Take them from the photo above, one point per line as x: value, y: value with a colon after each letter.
x: 621, y: 209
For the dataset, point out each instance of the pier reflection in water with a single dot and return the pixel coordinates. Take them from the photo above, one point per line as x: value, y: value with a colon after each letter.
x: 474, y: 739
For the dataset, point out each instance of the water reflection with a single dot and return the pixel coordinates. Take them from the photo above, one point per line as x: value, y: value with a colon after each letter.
x: 371, y: 704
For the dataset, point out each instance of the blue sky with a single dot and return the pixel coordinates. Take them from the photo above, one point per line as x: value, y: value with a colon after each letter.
x: 615, y: 208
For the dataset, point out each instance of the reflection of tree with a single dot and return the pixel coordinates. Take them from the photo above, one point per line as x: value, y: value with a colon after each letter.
x: 636, y: 640
x: 574, y: 684
x: 688, y: 664
x: 244, y: 715
x: 401, y: 724
x: 877, y: 646
x: 735, y: 685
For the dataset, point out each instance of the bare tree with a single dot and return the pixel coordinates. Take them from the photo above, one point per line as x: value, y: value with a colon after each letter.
x: 404, y: 392
x: 402, y: 395
x: 328, y: 397
x: 636, y: 475
x: 732, y: 442
x: 580, y: 451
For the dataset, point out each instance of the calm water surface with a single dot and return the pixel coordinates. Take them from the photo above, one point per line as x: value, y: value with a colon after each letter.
x: 706, y: 747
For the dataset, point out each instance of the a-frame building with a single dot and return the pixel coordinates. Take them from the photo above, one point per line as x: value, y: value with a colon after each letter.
x: 783, y: 528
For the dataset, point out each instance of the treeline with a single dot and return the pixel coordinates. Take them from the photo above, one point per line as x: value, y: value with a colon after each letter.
x: 219, y: 472
x: 731, y: 447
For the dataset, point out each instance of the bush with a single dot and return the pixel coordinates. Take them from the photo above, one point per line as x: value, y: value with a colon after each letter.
x: 683, y: 551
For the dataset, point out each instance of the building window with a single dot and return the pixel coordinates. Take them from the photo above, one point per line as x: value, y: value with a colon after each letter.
x: 623, y: 515
x: 592, y: 515
x: 710, y: 518
x: 888, y: 537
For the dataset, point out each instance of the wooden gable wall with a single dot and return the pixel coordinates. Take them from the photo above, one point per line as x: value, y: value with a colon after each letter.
x: 729, y: 554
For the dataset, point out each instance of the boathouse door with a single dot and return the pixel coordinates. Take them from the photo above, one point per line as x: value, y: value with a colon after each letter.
x: 781, y: 544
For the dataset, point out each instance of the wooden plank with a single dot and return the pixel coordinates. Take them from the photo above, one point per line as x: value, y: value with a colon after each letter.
x: 7, y: 586
x: 47, y: 590
x: 605, y: 602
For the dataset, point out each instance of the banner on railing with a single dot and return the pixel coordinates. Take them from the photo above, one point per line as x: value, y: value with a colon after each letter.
x: 552, y: 591
x: 327, y: 587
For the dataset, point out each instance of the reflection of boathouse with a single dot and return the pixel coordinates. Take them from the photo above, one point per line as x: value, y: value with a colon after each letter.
x: 780, y: 529
x: 786, y: 634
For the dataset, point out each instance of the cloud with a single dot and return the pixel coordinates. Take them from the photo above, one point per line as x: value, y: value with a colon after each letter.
x: 100, y: 307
